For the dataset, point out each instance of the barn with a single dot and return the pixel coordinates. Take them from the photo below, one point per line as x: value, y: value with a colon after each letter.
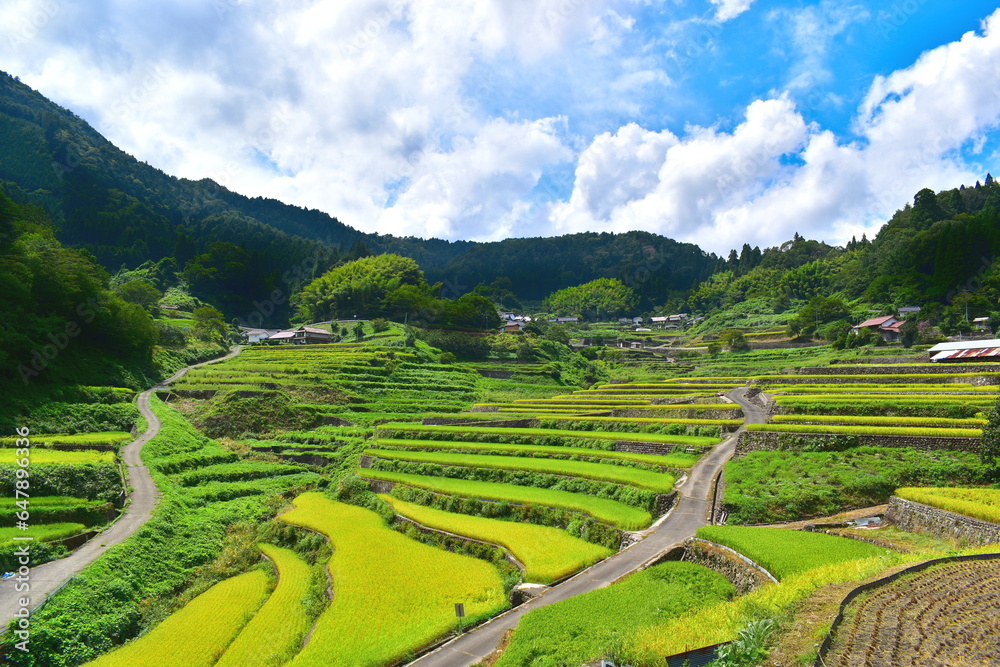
x: 968, y: 350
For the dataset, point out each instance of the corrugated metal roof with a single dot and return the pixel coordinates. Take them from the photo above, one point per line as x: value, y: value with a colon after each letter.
x: 966, y: 345
x: 977, y: 353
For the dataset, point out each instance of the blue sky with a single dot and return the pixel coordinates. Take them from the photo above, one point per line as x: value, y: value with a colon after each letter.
x: 718, y: 122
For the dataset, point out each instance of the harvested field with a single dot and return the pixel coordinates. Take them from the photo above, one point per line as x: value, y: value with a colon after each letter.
x: 945, y: 616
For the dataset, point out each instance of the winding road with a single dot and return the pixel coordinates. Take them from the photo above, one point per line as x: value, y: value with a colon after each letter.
x: 46, y: 579
x: 691, y: 512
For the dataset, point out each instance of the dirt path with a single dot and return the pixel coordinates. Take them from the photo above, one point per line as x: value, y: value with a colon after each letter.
x: 46, y: 579
x: 692, y: 512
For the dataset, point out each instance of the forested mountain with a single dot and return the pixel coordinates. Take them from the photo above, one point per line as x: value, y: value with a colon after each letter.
x: 236, y: 250
x: 941, y: 253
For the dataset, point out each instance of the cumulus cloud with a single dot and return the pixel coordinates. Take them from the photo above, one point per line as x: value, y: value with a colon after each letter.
x: 774, y: 175
x: 730, y: 9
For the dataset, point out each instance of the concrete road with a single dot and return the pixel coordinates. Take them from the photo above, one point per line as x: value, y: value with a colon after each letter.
x: 691, y: 512
x: 44, y: 580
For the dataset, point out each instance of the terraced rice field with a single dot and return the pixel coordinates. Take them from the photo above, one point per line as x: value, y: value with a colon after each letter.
x: 547, y: 553
x: 605, y: 472
x: 199, y: 633
x: 977, y: 503
x: 276, y: 631
x: 784, y: 552
x: 424, y: 429
x: 104, y: 439
x: 943, y: 616
x: 39, y: 456
x: 854, y: 429
x: 392, y: 595
x: 675, y: 460
x: 40, y: 532
x: 616, y: 513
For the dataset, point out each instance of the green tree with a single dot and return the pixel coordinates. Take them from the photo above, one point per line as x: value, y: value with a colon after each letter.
x: 734, y: 340
x: 471, y: 311
x: 358, y: 288
x: 596, y: 300
x: 359, y: 331
x: 908, y: 332
x: 140, y: 292
x: 209, y: 324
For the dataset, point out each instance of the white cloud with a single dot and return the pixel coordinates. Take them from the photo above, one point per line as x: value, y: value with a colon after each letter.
x: 773, y: 175
x: 812, y: 30
x: 486, y: 178
x: 730, y: 9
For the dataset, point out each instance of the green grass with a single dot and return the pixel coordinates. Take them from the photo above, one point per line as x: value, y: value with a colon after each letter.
x: 597, y: 435
x: 196, y: 635
x: 275, y: 633
x: 40, y: 532
x: 616, y: 513
x: 590, y: 626
x: 392, y: 595
x: 869, y: 430
x: 978, y: 503
x: 547, y: 553
x: 785, y: 552
x: 657, y: 482
x: 675, y: 460
x: 767, y: 487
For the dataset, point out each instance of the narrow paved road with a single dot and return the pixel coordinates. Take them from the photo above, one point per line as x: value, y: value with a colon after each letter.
x: 691, y: 513
x: 48, y: 578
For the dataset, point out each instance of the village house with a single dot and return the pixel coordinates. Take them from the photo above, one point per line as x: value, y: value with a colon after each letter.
x: 258, y: 335
x: 886, y: 326
x: 310, y: 335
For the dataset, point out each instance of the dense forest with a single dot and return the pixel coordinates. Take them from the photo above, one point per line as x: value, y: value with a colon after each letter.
x: 942, y: 254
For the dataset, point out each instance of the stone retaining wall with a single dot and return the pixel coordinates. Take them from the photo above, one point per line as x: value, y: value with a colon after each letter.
x: 769, y: 441
x: 633, y: 447
x: 759, y: 398
x: 499, y: 375
x: 742, y: 572
x: 909, y: 359
x: 664, y: 503
x: 917, y: 517
x: 718, y: 516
